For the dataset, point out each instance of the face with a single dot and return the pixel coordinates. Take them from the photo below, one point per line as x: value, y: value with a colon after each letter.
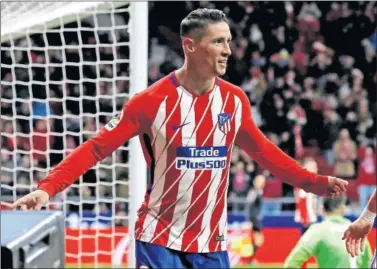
x: 311, y: 166
x: 368, y: 152
x: 344, y: 134
x: 211, y: 51
x: 259, y: 182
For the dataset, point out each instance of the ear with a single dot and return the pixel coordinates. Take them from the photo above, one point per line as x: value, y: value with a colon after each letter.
x: 189, y: 44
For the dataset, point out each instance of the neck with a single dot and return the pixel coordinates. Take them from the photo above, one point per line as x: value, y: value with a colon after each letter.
x: 191, y: 79
x: 336, y: 212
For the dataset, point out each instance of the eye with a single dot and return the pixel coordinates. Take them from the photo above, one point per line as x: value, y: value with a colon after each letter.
x: 219, y: 41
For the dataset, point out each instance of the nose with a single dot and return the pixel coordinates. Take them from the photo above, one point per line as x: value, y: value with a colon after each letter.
x: 226, y: 50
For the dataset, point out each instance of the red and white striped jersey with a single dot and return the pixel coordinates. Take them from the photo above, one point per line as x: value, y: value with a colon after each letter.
x: 187, y: 142
x: 305, y: 212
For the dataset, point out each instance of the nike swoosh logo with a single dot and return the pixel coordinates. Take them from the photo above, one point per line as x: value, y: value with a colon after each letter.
x: 176, y: 127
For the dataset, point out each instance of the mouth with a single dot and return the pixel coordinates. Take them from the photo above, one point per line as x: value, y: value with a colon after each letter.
x: 222, y: 63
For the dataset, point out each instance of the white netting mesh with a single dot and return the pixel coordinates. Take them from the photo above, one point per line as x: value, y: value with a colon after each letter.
x: 64, y: 74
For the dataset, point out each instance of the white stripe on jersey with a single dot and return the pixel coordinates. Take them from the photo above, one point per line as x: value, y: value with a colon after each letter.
x: 159, y: 134
x: 223, y: 220
x: 218, y: 140
x: 159, y: 151
x: 166, y: 119
x: 309, y: 206
x: 187, y: 105
x: 160, y: 122
x: 209, y: 209
x: 186, y: 185
x: 205, y: 247
x: 180, y: 177
x: 160, y: 168
x: 186, y: 110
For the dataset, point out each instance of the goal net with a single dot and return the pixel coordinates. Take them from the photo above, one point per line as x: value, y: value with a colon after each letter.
x: 67, y: 68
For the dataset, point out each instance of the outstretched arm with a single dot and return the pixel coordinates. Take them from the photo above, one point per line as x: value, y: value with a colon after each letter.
x: 270, y: 157
x: 113, y: 135
x: 371, y: 206
x: 357, y: 232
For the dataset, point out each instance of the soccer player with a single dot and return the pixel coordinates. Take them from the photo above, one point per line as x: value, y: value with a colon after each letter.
x: 323, y: 241
x: 357, y: 232
x: 187, y: 123
x: 306, y: 203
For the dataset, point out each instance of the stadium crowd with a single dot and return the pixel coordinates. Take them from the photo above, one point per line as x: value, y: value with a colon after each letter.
x: 309, y: 69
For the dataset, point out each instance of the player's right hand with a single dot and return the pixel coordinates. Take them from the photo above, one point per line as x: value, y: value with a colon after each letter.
x: 32, y: 201
x: 356, y: 234
x: 336, y: 187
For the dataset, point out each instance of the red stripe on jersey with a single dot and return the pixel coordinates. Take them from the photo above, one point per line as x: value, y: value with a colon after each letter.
x: 203, y: 121
x: 221, y: 192
x: 141, y: 217
x: 170, y: 191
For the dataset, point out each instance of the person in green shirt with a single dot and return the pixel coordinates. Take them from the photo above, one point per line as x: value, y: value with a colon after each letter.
x: 324, y: 241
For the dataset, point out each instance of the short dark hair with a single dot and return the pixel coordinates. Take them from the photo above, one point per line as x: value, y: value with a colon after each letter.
x: 199, y: 19
x: 331, y: 204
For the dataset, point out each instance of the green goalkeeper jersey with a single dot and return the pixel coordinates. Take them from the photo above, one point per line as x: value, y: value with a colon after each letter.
x: 324, y: 242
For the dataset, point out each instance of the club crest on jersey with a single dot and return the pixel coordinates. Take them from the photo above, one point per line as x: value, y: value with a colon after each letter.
x: 114, y: 121
x: 223, y: 120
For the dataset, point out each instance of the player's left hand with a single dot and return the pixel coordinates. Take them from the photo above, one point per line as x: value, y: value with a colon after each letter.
x: 356, y: 234
x: 336, y: 187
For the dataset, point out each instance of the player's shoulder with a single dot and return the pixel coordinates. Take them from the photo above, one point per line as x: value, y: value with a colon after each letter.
x: 233, y: 89
x: 229, y: 86
x: 154, y: 92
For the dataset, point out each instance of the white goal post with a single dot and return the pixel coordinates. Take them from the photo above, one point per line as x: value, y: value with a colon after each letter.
x: 45, y: 80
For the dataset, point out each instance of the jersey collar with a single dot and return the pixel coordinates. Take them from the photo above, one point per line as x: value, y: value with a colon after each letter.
x: 177, y: 84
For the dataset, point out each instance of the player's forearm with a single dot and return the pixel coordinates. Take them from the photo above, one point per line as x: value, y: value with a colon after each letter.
x: 86, y: 156
x: 288, y: 170
x: 71, y: 168
x: 270, y: 157
x: 372, y: 203
x: 115, y: 134
x: 369, y: 212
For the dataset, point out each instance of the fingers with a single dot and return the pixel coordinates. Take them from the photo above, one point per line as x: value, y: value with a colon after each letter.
x: 353, y: 247
x: 20, y: 202
x: 16, y: 204
x: 38, y: 206
x: 357, y: 245
x: 25, y: 203
x: 341, y: 185
x: 337, y: 188
x: 348, y: 245
x: 362, y: 244
x: 346, y: 234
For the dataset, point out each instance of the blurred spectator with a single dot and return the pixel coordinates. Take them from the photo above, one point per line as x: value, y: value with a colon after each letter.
x: 332, y: 123
x: 366, y: 176
x: 345, y: 155
x: 306, y: 203
x: 42, y: 141
x: 240, y: 183
x: 6, y: 174
x: 255, y: 201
